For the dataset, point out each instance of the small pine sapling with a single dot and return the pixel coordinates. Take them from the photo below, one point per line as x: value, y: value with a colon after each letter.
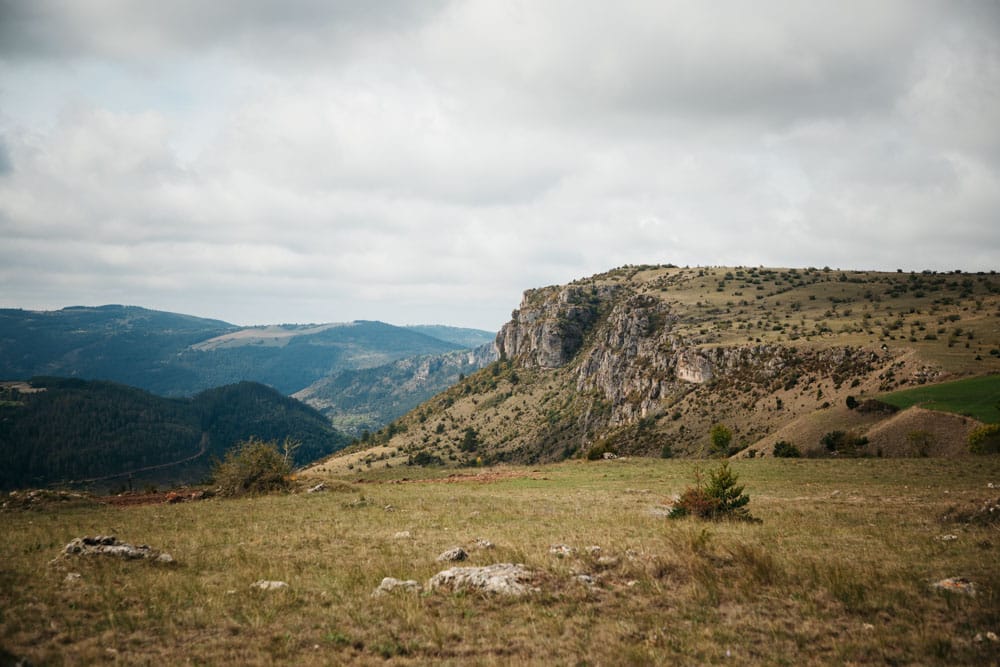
x: 718, y: 497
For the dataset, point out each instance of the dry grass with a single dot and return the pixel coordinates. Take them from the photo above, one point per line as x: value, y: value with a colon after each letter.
x: 838, y: 573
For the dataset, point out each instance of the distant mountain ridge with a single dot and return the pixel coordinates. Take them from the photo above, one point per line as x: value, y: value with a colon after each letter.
x: 178, y: 355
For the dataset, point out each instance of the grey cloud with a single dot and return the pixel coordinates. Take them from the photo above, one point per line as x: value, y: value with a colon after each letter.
x: 401, y: 161
x: 136, y: 29
x: 6, y: 164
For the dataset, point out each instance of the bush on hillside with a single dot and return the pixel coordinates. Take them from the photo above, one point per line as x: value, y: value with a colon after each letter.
x: 985, y: 439
x: 721, y: 437
x: 844, y: 443
x: 255, y: 467
x: 786, y: 450
x: 597, y: 451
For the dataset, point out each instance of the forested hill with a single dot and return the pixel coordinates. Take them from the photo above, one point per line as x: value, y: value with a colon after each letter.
x: 58, y: 430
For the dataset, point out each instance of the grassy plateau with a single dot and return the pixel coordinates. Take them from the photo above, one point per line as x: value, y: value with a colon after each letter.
x: 839, y: 570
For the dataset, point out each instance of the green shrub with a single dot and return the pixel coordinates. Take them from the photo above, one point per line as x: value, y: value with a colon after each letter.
x: 721, y: 436
x: 255, y: 467
x: 596, y: 452
x: 843, y: 442
x: 786, y: 450
x: 717, y: 498
x: 985, y: 439
x: 424, y: 459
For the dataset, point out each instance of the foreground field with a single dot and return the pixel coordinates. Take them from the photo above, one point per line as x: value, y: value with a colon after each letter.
x: 840, y: 571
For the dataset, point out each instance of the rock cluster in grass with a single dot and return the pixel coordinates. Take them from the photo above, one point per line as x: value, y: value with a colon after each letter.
x: 40, y: 498
x: 986, y: 514
x: 107, y: 545
x: 507, y: 579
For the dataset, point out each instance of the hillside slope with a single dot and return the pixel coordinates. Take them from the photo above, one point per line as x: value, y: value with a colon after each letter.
x: 645, y: 360
x: 358, y: 400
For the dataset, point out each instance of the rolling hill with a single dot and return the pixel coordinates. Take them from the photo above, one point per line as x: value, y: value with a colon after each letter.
x: 104, y: 434
x: 645, y: 360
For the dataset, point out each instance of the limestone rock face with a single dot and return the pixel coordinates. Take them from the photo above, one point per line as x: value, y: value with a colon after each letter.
x: 550, y: 326
x: 622, y: 345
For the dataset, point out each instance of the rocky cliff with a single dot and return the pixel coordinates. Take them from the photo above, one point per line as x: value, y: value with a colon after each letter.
x: 644, y: 360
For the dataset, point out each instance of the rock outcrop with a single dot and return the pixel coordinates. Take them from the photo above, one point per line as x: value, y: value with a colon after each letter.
x: 106, y: 545
x: 500, y: 579
x: 549, y: 327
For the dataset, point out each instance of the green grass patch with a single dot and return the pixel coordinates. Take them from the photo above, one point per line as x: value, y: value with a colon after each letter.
x: 977, y: 397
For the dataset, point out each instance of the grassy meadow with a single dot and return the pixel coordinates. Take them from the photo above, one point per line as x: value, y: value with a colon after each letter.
x: 839, y: 571
x: 976, y: 397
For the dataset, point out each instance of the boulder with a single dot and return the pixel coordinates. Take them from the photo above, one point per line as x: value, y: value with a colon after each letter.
x: 955, y: 585
x: 265, y: 585
x: 390, y: 584
x: 500, y: 578
x: 107, y: 545
x: 452, y: 555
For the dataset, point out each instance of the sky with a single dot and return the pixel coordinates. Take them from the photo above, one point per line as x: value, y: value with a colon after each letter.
x: 412, y: 161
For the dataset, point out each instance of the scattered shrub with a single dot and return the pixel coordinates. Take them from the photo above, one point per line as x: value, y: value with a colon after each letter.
x: 786, y: 450
x: 985, y: 439
x: 842, y: 442
x: 597, y: 452
x: 721, y: 436
x: 717, y: 498
x: 470, y: 440
x: 424, y: 459
x: 255, y: 467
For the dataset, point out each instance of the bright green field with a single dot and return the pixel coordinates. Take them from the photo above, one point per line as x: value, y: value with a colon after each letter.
x: 978, y: 397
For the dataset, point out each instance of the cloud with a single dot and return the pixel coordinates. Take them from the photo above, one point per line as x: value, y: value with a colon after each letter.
x: 261, y: 161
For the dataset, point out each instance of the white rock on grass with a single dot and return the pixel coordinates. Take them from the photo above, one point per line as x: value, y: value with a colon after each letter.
x: 500, y: 578
x: 453, y: 554
x: 955, y: 585
x: 265, y: 585
x: 107, y: 545
x: 562, y: 550
x: 390, y: 584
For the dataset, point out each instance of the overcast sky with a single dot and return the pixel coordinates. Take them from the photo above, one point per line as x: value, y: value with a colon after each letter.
x: 267, y: 161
